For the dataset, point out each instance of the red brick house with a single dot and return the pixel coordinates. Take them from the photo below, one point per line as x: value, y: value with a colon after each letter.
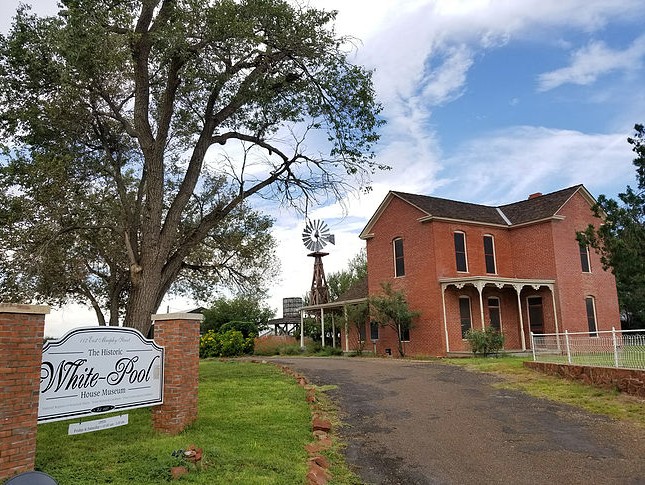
x: 516, y: 267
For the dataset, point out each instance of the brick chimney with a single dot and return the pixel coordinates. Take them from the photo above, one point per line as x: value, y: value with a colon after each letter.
x: 533, y: 196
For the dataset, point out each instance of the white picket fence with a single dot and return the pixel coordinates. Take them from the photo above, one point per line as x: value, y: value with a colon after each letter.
x: 608, y: 348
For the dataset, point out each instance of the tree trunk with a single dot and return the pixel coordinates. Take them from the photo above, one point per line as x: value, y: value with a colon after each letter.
x: 142, y: 303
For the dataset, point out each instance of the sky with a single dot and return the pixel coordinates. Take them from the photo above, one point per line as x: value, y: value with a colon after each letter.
x: 486, y: 101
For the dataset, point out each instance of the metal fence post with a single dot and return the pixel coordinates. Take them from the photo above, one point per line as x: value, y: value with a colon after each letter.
x: 566, y: 339
x: 613, y: 337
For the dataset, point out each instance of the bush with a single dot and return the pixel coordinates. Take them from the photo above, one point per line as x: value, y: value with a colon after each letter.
x: 290, y: 350
x: 485, y: 342
x: 209, y: 345
x: 330, y: 351
x: 227, y: 344
x: 232, y: 342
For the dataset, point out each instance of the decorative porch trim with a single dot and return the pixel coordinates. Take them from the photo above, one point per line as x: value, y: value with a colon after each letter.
x: 480, y: 282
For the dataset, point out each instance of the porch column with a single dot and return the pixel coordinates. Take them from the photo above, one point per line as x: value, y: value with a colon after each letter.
x: 346, y: 329
x: 480, y: 289
x: 518, y: 289
x: 555, y: 310
x: 445, y: 320
x: 333, y: 331
x: 302, y: 329
x: 322, y: 325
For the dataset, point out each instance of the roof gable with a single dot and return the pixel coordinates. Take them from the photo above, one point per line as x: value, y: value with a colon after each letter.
x: 538, y: 208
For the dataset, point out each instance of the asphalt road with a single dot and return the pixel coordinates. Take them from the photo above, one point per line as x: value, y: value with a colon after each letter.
x: 428, y: 423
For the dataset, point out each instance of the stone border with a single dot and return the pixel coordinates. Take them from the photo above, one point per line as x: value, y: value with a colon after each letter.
x: 629, y: 381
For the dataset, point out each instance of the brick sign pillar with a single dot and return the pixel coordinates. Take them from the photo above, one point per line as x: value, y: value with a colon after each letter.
x: 21, y: 343
x: 178, y: 333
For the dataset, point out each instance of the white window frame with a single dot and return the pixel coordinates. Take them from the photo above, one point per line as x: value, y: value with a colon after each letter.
x: 492, y: 238
x: 499, y: 309
x: 396, y: 275
x: 470, y: 311
x: 465, y: 251
x: 595, y: 315
x: 586, y: 246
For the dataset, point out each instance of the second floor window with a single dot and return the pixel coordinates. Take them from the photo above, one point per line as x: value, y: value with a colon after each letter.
x: 584, y: 258
x: 399, y: 266
x: 489, y: 254
x: 460, y: 252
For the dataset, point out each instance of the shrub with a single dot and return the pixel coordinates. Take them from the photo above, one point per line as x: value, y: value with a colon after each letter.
x: 330, y: 351
x: 485, y: 342
x: 232, y: 343
x: 209, y: 345
x: 227, y: 344
x: 290, y: 350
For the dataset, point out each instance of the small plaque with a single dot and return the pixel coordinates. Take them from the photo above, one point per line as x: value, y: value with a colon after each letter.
x: 97, y: 424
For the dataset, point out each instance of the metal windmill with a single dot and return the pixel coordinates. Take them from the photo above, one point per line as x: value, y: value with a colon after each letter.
x: 315, y: 237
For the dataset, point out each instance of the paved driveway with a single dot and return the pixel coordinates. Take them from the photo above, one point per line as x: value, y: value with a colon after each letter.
x: 429, y: 423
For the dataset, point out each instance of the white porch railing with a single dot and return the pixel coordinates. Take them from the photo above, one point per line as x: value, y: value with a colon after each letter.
x: 608, y: 348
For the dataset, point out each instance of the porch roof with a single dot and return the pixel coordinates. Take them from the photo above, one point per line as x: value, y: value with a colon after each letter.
x: 498, y: 281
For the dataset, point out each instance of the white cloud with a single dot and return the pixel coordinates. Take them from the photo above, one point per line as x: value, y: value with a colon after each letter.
x: 593, y: 61
x: 510, y: 164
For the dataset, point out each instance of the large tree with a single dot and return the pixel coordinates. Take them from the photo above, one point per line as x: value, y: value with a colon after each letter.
x: 241, y: 309
x: 620, y: 239
x: 339, y: 282
x: 146, y: 125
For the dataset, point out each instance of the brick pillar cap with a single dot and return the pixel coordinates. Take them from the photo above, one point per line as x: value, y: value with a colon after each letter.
x: 177, y: 316
x: 31, y: 309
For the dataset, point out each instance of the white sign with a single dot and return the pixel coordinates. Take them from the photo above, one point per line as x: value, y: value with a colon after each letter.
x: 97, y: 424
x: 97, y: 370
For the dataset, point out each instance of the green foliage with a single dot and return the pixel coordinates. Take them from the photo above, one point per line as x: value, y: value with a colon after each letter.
x: 391, y: 310
x: 244, y: 313
x: 620, y: 239
x: 485, y: 342
x: 230, y: 343
x: 341, y: 281
x: 107, y: 113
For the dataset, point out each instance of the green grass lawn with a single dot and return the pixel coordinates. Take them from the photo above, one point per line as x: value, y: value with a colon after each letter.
x: 593, y: 399
x: 253, y: 425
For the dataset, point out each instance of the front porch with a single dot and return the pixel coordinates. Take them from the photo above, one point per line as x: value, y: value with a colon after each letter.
x: 513, y: 306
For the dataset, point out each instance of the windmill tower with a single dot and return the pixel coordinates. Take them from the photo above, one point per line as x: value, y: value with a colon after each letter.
x: 315, y: 237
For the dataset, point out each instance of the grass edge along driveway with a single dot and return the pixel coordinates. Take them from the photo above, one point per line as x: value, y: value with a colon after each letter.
x: 590, y: 398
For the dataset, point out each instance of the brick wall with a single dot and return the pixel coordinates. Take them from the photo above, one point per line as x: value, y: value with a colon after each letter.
x: 546, y: 250
x: 178, y: 333
x: 629, y: 381
x: 21, y: 343
x: 573, y: 284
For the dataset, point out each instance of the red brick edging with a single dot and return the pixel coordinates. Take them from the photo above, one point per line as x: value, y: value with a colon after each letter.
x: 318, y: 465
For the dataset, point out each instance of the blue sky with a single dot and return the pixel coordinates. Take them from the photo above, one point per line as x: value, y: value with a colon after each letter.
x: 486, y: 101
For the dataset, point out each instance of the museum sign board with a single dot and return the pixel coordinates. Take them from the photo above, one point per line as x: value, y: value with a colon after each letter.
x: 96, y: 370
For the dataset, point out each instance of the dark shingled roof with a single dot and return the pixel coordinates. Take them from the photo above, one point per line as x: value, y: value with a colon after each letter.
x: 539, y: 207
x: 534, y: 209
x: 452, y: 209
